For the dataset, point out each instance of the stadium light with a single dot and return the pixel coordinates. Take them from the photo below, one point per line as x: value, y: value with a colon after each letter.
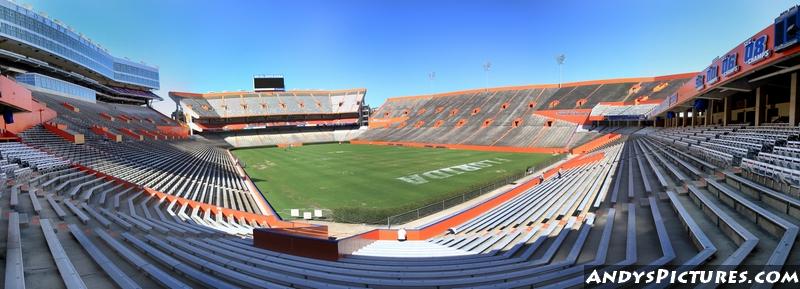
x: 432, y: 77
x: 487, y: 67
x: 560, y: 60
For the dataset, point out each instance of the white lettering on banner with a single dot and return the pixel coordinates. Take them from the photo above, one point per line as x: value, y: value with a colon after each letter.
x: 443, y: 173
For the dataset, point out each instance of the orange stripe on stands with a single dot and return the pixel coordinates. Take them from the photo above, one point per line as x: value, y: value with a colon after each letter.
x: 270, y: 221
x: 103, y: 131
x: 176, y: 131
x: 614, y: 103
x: 632, y: 102
x: 675, y: 76
x: 7, y: 135
x: 651, y: 101
x: 131, y: 133
x: 148, y: 134
x: 375, y: 122
x: 596, y: 143
x: 70, y: 107
x: 466, y: 147
x: 107, y: 116
x: 464, y: 216
x: 60, y: 130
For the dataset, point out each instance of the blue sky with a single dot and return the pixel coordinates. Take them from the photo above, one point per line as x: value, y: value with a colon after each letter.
x: 389, y: 47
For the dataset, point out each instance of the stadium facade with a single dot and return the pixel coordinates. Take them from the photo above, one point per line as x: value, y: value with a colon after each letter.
x: 99, y: 190
x: 47, y: 51
x: 253, y: 118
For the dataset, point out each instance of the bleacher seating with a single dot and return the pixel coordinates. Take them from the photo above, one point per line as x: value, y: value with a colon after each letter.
x: 125, y: 117
x: 501, y: 132
x: 621, y: 110
x: 248, y: 104
x: 18, y: 160
x: 507, y: 116
x: 85, y: 215
x: 766, y: 151
x: 597, y: 215
x: 258, y: 138
x: 186, y: 169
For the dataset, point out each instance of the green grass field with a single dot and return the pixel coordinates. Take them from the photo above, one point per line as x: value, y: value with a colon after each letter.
x: 378, y: 180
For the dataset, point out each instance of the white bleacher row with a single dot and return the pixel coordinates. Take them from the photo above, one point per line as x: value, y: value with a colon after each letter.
x: 136, y: 215
x: 226, y: 265
x: 621, y: 110
x: 410, y: 249
x: 252, y: 140
x: 194, y: 171
x: 766, y: 151
x: 480, y: 118
x: 782, y: 156
x: 10, y: 170
x: 573, y: 193
x: 106, y: 203
x: 277, y: 103
x: 123, y: 237
x: 89, y: 115
x: 602, y: 109
x: 16, y: 157
x: 719, y: 144
x: 153, y: 247
x: 627, y: 130
x: 187, y: 169
x: 775, y: 230
x: 768, y: 170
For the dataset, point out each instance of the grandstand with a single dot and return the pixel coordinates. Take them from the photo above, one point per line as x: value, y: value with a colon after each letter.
x: 98, y: 190
x: 249, y: 118
x: 560, y: 117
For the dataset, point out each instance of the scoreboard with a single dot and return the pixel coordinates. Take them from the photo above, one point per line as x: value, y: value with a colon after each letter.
x: 268, y: 83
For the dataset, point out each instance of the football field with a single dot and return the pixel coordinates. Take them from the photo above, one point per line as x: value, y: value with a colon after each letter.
x: 374, y: 181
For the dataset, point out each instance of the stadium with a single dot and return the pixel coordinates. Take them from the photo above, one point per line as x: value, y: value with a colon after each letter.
x: 520, y: 186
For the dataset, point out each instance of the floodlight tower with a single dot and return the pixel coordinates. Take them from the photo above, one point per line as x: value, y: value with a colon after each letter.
x: 486, y: 68
x: 431, y: 78
x: 560, y: 60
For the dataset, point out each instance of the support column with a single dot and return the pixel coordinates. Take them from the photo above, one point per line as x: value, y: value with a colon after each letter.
x: 794, y: 104
x: 686, y: 120
x: 683, y: 119
x: 705, y: 117
x: 726, y: 110
x: 759, y: 105
x: 694, y: 116
x: 710, y: 113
